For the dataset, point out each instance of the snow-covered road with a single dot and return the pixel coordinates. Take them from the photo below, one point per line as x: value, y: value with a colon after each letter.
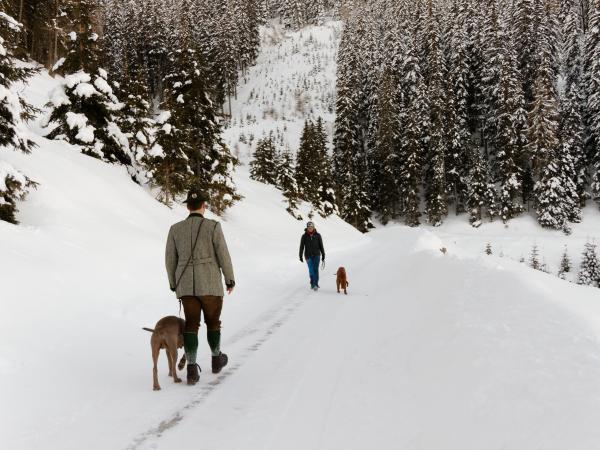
x: 428, y: 351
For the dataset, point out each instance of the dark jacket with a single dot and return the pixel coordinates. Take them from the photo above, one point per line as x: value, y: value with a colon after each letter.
x: 311, y: 245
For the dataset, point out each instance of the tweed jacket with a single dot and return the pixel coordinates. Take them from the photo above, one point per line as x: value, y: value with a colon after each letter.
x: 211, y: 257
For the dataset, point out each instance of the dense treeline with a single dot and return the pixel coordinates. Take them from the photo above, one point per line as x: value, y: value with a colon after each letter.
x: 144, y: 83
x: 489, y: 108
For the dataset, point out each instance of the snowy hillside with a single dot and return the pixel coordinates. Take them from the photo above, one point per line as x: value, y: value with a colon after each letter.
x: 293, y: 81
x: 428, y: 351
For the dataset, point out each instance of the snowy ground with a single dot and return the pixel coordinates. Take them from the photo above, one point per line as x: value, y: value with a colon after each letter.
x: 428, y: 351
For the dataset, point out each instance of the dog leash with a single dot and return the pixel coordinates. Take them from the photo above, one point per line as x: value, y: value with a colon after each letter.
x: 188, y: 263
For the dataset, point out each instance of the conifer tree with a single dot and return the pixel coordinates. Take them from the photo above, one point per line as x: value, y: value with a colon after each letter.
x: 565, y: 265
x: 134, y: 119
x: 388, y: 193
x: 592, y: 68
x: 480, y: 193
x: 571, y: 128
x: 414, y: 121
x: 305, y: 164
x: 488, y: 249
x: 327, y: 204
x: 84, y: 108
x: 193, y: 116
x: 349, y: 157
x: 286, y: 181
x: 589, y: 272
x: 505, y: 116
x: 555, y: 191
x: 525, y: 36
x: 437, y: 206
x: 534, y: 258
x: 313, y: 169
x: 459, y: 135
x: 14, y: 186
x: 168, y: 165
x: 11, y: 105
x: 264, y: 167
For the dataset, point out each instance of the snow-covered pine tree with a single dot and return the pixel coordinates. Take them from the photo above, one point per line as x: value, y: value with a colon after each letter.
x: 155, y: 41
x: 14, y: 186
x: 589, y: 271
x: 525, y: 34
x: 480, y: 193
x: 565, y: 264
x: 459, y: 135
x: 134, y: 118
x: 226, y: 64
x: 505, y: 115
x: 249, y: 21
x: 349, y: 158
x: 84, y: 107
x: 435, y: 178
x: 11, y: 105
x: 167, y: 163
x: 370, y: 52
x: 555, y: 192
x: 534, y: 258
x: 414, y: 122
x: 286, y: 181
x: 571, y: 130
x: 387, y: 147
x: 592, y: 68
x: 264, y: 167
x: 475, y: 51
x: 327, y: 204
x: 488, y: 249
x: 305, y: 164
x: 192, y: 112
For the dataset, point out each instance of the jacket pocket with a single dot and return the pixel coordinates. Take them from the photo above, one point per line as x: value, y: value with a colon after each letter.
x: 206, y: 260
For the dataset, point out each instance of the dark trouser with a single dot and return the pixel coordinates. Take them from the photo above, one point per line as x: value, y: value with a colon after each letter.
x: 193, y: 307
x: 313, y: 269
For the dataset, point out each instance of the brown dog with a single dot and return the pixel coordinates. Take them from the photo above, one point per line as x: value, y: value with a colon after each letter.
x: 167, y: 334
x: 341, y: 280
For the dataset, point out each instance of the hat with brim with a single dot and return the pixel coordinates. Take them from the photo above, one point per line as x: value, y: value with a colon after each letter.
x: 195, y: 195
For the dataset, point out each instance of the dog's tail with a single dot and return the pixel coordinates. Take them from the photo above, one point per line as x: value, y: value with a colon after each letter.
x: 148, y: 329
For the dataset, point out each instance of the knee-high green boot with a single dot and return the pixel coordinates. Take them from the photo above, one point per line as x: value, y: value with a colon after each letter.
x: 214, y: 341
x: 219, y: 359
x: 190, y: 345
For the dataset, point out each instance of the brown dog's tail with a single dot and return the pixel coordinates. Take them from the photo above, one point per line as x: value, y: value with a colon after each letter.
x: 148, y: 329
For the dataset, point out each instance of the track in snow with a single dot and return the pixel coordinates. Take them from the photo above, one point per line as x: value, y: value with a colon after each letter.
x: 257, y: 334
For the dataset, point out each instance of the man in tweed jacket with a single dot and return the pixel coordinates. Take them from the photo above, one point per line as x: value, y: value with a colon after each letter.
x: 196, y: 254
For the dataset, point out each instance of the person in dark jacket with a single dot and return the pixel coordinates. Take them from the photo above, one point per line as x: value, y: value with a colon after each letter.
x: 311, y: 246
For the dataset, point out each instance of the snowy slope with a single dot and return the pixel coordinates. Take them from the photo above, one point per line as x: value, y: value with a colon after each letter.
x: 293, y: 81
x: 428, y: 351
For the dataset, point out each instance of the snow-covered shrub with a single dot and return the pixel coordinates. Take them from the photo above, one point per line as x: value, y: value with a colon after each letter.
x: 589, y: 272
x: 14, y: 186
